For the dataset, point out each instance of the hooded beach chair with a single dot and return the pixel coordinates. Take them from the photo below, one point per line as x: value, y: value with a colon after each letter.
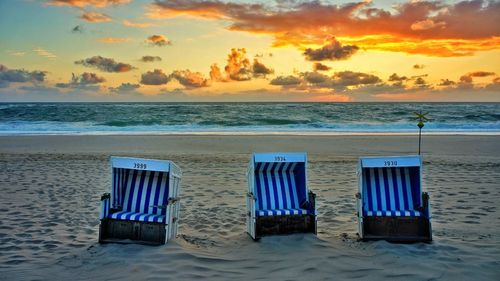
x: 143, y: 205
x: 390, y: 201
x: 278, y: 200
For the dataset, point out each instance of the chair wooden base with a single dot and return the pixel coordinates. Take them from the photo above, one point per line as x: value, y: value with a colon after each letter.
x: 273, y: 225
x: 397, y: 229
x: 125, y: 232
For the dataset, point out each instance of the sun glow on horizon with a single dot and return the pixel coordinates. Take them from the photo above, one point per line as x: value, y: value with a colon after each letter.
x: 249, y: 51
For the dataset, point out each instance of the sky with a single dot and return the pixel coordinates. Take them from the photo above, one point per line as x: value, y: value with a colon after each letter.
x: 281, y: 50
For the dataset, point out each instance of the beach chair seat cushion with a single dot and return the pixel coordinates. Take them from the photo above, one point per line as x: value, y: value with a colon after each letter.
x: 134, y: 216
x: 281, y: 212
x: 408, y: 213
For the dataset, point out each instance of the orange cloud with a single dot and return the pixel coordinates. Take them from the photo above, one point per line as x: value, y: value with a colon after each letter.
x: 317, y: 66
x: 215, y: 73
x: 105, y: 64
x: 239, y: 68
x: 136, y: 24
x: 238, y: 65
x: 433, y: 28
x: 332, y: 51
x: 83, y: 3
x: 189, y: 79
x: 431, y: 47
x: 480, y: 74
x: 427, y: 24
x: 95, y: 17
x: 159, y: 40
x: 113, y: 40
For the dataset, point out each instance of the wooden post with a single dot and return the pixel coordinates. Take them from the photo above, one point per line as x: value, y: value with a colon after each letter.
x: 421, y: 119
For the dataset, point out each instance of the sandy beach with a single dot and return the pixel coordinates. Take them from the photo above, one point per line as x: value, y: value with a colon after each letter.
x: 51, y: 185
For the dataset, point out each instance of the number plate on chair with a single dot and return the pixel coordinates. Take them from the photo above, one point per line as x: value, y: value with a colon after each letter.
x: 140, y: 166
x: 279, y: 158
x: 390, y: 163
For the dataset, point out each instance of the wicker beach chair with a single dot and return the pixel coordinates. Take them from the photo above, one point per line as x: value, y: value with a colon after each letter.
x: 278, y: 200
x: 390, y: 201
x: 143, y: 206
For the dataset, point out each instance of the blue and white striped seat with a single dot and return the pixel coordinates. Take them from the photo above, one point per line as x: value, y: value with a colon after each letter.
x: 391, y: 192
x: 140, y: 195
x: 276, y: 189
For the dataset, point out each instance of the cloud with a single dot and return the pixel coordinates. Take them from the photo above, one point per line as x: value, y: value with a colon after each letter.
x: 44, y: 53
x: 150, y: 58
x: 396, y: 78
x: 239, y: 68
x: 260, y: 70
x: 136, y: 24
x: 420, y: 82
x: 238, y: 65
x: 77, y: 29
x: 285, y: 81
x: 446, y: 83
x: 105, y: 64
x: 95, y: 17
x: 340, y: 81
x: 215, y: 73
x: 480, y: 74
x: 113, y: 40
x: 125, y: 87
x: 427, y: 24
x: 8, y: 76
x: 84, y: 3
x: 440, y: 28
x: 494, y: 85
x: 351, y: 78
x: 156, y: 77
x: 418, y: 66
x: 317, y: 66
x: 466, y: 81
x: 81, y: 81
x: 315, y: 78
x: 189, y: 79
x: 332, y: 51
x: 16, y: 53
x: 158, y: 40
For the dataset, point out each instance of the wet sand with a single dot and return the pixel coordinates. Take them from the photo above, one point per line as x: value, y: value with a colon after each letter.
x: 51, y: 187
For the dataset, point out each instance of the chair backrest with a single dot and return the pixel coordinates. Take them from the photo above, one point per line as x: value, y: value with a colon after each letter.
x: 140, y: 185
x: 279, y: 180
x: 141, y: 191
x: 391, y: 183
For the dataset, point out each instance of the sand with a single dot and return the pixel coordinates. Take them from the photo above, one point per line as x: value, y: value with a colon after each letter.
x: 49, y: 204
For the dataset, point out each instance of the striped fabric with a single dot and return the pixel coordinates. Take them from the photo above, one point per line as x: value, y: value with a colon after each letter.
x: 276, y: 189
x: 133, y: 216
x: 281, y: 212
x: 105, y: 204
x: 141, y: 195
x: 391, y: 192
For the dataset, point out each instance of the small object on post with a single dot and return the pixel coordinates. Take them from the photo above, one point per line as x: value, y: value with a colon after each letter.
x: 421, y: 119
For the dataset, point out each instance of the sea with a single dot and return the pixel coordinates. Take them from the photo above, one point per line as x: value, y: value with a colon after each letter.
x: 247, y: 118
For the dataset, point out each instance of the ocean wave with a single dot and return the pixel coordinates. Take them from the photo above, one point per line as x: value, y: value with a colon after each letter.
x: 161, y: 118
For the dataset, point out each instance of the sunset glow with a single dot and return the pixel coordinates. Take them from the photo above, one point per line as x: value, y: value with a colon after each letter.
x: 194, y: 50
